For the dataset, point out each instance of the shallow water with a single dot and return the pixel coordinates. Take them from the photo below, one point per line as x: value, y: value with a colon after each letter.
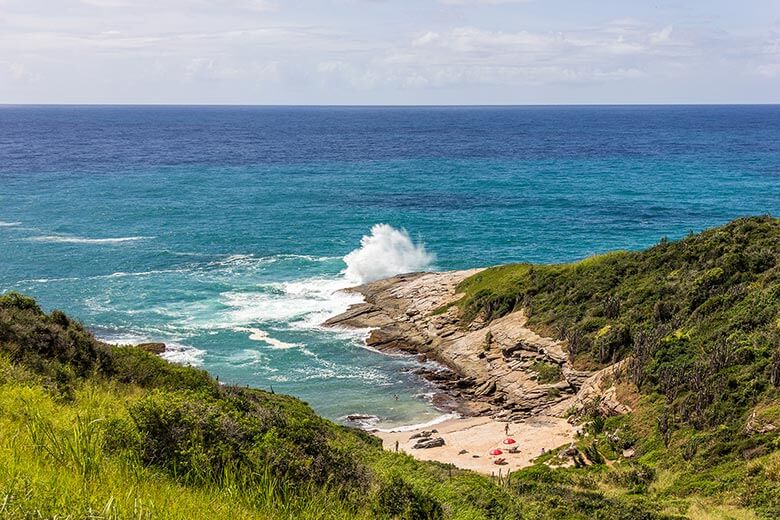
x: 223, y: 231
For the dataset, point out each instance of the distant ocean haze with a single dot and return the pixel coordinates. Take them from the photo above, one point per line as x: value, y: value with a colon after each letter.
x: 229, y: 233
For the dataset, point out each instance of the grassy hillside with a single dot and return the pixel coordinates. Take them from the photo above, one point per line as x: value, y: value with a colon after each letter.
x: 89, y: 430
x: 699, y: 321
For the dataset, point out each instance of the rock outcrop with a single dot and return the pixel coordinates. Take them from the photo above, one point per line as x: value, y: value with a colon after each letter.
x: 154, y: 348
x: 599, y: 392
x: 486, y: 368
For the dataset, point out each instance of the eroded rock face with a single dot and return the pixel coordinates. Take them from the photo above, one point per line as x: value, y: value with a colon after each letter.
x: 597, y: 391
x: 489, y: 368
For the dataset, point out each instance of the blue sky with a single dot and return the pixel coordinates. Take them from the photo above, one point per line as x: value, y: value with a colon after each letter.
x: 389, y: 51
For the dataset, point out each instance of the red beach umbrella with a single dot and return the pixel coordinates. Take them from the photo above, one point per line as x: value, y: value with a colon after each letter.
x: 496, y: 452
x: 509, y: 440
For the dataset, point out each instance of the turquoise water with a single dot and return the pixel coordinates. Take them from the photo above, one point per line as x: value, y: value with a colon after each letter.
x: 224, y: 231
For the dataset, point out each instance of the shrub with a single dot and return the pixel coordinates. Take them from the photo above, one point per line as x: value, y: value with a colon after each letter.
x: 400, y: 499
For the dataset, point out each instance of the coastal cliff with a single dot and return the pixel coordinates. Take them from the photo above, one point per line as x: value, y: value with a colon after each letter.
x: 501, y: 368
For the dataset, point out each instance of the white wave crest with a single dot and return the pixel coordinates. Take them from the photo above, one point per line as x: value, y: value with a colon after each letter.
x: 412, y: 427
x: 175, y: 352
x: 9, y: 224
x: 387, y: 251
x: 261, y: 335
x: 306, y: 303
x: 183, y: 354
x: 71, y: 239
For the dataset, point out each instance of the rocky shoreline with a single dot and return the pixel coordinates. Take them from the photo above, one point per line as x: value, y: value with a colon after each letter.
x: 500, y: 369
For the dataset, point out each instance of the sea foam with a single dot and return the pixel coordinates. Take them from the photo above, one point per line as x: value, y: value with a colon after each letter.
x: 183, y: 354
x: 256, y: 334
x: 71, y: 239
x: 387, y: 251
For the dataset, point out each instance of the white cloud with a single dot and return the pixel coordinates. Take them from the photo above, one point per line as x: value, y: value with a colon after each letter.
x: 662, y: 36
x: 310, y: 51
x: 426, y: 38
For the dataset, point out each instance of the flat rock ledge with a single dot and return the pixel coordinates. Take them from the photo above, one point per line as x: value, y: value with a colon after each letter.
x: 482, y: 369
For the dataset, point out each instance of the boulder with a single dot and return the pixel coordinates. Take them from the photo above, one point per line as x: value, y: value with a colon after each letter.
x: 425, y: 434
x: 425, y: 444
x: 154, y: 348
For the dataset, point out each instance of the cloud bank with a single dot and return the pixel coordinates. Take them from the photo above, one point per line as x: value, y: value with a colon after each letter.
x: 375, y: 52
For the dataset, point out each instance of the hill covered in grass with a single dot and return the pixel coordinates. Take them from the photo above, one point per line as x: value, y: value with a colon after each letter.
x: 697, y: 323
x: 89, y: 430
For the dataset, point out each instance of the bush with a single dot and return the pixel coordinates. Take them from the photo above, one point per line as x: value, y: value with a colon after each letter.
x: 399, y: 499
x: 200, y: 438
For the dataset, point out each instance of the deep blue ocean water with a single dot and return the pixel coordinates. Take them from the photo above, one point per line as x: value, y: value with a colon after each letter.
x: 222, y: 230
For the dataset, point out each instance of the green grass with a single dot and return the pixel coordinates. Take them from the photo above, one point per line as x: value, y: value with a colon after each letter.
x: 699, y: 320
x: 546, y: 372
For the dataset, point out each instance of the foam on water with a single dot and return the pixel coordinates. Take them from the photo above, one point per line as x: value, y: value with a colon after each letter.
x: 9, y: 224
x: 387, y: 251
x: 256, y: 334
x: 71, y: 239
x: 182, y: 354
x: 305, y: 303
x: 175, y: 351
x: 432, y: 422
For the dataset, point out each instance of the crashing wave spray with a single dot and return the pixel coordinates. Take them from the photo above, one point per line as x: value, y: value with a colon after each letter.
x: 387, y: 251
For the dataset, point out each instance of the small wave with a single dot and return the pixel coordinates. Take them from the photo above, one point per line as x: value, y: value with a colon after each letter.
x: 261, y: 335
x: 9, y: 224
x: 71, y: 239
x: 250, y: 260
x: 411, y: 427
x: 386, y: 252
x: 182, y: 354
x: 248, y: 357
x: 50, y: 280
x: 303, y: 304
x: 361, y: 420
x: 118, y: 274
x: 119, y: 338
x: 175, y: 352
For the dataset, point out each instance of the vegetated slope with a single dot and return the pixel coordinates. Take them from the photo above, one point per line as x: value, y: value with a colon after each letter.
x: 699, y: 321
x: 89, y: 430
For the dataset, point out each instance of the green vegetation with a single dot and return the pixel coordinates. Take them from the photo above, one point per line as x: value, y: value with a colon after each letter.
x: 699, y: 321
x: 89, y: 430
x: 547, y: 372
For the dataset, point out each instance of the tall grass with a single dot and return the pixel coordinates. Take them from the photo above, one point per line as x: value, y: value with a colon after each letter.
x: 53, y: 465
x: 80, y: 448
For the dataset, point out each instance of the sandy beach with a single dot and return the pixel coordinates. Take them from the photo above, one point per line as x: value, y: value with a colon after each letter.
x: 479, y: 435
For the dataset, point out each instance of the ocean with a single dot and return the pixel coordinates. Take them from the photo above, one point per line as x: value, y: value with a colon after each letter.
x: 228, y: 232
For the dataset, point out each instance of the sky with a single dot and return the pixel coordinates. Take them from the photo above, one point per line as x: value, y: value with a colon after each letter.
x: 391, y: 52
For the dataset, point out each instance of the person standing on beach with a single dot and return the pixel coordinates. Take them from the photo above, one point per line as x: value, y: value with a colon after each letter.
x: 506, y: 429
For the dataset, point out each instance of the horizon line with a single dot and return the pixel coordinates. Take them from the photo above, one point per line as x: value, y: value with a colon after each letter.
x: 338, y: 105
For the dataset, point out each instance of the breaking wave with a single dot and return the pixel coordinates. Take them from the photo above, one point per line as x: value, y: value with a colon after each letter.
x: 387, y: 251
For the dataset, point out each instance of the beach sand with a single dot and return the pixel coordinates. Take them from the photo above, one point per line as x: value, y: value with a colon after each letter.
x: 480, y: 435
